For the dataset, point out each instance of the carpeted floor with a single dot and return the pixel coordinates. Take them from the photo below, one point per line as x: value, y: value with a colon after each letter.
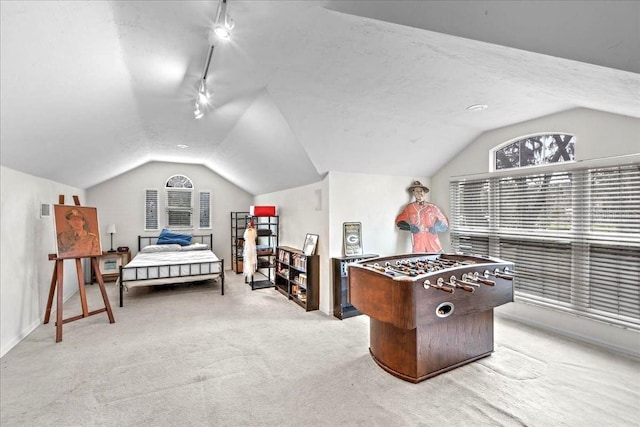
x: 188, y: 356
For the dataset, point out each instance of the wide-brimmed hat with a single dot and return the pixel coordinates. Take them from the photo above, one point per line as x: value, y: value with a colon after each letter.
x: 74, y: 212
x: 417, y: 184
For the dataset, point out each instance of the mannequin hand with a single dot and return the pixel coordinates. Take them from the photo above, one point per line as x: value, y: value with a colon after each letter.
x: 403, y: 225
x: 438, y: 227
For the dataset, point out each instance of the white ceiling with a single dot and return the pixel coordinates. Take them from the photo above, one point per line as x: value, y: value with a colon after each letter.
x: 91, y: 89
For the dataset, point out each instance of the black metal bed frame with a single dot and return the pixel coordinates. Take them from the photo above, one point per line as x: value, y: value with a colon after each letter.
x: 152, y: 240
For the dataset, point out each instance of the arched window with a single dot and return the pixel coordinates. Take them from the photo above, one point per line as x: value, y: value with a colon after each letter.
x: 535, y: 150
x: 179, y: 202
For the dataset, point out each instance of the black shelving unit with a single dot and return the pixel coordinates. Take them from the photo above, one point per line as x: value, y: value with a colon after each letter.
x: 267, y: 228
x: 239, y: 222
x: 342, y: 308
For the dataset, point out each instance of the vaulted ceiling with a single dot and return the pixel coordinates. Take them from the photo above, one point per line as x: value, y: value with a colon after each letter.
x: 92, y: 89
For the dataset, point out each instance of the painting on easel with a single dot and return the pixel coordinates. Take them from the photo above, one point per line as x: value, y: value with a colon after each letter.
x: 77, y: 232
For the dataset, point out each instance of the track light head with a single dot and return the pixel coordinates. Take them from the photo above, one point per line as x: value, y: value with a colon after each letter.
x: 203, y: 94
x: 221, y: 31
x: 203, y: 98
x: 224, y: 23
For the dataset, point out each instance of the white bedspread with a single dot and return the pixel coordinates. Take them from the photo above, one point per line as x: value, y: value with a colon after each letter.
x: 157, y: 265
x: 179, y: 257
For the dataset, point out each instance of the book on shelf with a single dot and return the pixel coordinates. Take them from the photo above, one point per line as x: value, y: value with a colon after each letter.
x: 299, y: 261
x: 302, y: 279
x: 283, y: 271
x: 283, y: 256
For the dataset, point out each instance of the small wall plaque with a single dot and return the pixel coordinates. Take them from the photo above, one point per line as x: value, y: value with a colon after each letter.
x: 352, y: 238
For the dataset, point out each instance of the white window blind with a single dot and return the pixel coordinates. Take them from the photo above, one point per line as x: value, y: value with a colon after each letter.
x: 574, y: 236
x: 179, y: 208
x: 151, y: 210
x: 205, y: 209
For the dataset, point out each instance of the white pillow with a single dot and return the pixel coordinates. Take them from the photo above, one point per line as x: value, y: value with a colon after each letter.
x: 195, y: 247
x: 172, y: 247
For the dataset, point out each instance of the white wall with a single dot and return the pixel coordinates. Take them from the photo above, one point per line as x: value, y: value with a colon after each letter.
x: 26, y: 241
x: 322, y: 208
x: 121, y: 201
x: 374, y: 201
x: 301, y: 211
x: 599, y: 137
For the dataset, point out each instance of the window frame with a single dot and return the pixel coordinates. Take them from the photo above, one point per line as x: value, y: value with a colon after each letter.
x: 176, y: 188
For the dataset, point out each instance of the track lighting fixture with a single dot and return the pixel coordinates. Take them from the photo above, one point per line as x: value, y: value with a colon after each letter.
x: 204, y: 96
x: 197, y: 112
x: 222, y: 28
x: 223, y: 24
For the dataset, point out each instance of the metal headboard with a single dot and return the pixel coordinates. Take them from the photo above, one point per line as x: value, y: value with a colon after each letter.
x: 153, y: 240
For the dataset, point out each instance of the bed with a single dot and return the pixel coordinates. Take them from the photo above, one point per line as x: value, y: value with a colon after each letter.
x: 161, y: 263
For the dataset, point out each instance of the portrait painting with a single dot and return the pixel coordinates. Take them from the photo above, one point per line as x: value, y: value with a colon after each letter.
x: 77, y: 231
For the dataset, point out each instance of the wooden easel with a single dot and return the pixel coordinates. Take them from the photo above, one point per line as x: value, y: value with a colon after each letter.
x: 56, y: 282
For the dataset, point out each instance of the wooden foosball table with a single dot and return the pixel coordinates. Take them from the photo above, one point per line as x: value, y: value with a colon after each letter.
x: 429, y: 313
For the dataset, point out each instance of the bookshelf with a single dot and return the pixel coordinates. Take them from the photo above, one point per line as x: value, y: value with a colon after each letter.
x: 297, y: 277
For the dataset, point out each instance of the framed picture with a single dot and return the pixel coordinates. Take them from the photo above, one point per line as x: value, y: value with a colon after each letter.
x: 352, y: 238
x: 77, y: 231
x: 110, y: 264
x: 310, y: 243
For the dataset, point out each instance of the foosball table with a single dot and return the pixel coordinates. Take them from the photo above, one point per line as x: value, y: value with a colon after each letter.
x: 429, y: 313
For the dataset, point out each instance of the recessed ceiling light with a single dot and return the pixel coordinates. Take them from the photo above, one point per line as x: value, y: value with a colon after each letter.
x: 182, y: 146
x: 477, y: 107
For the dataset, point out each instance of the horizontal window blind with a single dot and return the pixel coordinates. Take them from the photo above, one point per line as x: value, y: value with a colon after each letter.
x: 472, y: 204
x: 205, y: 209
x: 179, y: 208
x: 151, y: 210
x: 537, y: 202
x: 574, y: 236
x: 614, y: 209
x: 470, y: 244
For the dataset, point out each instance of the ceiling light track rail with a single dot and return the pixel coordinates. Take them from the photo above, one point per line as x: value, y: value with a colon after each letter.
x: 222, y: 27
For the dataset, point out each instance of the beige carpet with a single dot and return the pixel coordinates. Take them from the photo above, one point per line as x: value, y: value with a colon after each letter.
x: 188, y: 356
